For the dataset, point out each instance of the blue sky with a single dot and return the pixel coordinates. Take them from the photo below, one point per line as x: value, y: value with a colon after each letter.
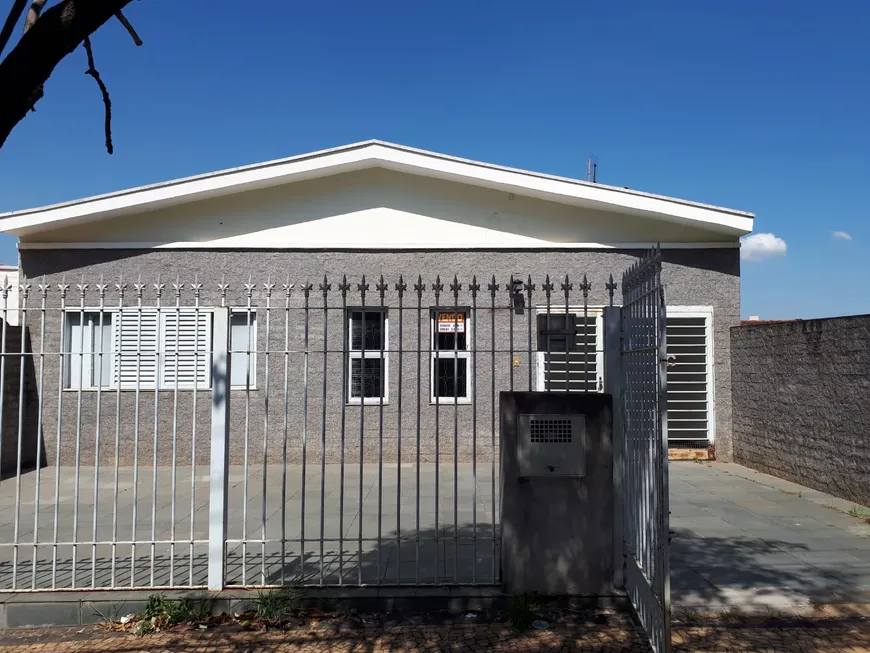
x: 761, y: 106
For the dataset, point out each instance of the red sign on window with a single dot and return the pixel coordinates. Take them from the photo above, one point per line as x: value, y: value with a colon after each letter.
x: 451, y: 322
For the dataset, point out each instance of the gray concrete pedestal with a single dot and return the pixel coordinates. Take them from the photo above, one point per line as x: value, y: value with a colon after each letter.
x: 557, y: 530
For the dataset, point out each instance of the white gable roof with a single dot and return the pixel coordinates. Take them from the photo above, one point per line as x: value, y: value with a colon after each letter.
x: 376, y: 154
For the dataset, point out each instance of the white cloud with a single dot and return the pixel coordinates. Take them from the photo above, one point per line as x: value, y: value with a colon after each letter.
x: 840, y: 235
x: 757, y: 247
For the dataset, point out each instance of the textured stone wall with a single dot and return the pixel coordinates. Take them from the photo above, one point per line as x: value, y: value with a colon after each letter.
x: 801, y: 393
x: 691, y: 277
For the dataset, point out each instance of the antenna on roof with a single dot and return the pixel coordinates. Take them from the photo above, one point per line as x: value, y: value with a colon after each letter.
x: 592, y: 168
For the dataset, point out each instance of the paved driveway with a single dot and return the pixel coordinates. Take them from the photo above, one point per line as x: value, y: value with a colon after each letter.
x: 743, y: 538
x: 739, y: 537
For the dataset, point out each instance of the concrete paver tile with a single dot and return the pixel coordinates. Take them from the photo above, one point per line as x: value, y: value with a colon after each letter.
x: 787, y: 546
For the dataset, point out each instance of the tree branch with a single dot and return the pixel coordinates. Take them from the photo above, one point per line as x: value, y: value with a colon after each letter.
x: 33, y: 14
x: 59, y: 31
x: 107, y: 101
x: 126, y: 23
x: 11, y: 22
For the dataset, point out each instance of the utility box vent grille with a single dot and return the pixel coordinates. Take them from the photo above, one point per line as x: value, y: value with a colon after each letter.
x: 551, y: 444
x: 550, y: 430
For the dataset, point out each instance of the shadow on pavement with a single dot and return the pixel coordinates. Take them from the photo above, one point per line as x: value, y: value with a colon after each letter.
x: 725, y: 571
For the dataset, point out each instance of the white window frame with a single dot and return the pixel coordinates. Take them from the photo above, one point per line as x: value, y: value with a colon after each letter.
x: 357, y: 354
x: 592, y: 311
x: 443, y: 354
x: 707, y: 313
x: 110, y: 313
x: 86, y: 357
x: 252, y: 361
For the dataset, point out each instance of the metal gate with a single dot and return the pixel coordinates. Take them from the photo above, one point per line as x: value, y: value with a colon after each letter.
x: 646, y: 511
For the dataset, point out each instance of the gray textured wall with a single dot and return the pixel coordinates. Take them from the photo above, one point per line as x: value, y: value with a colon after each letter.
x: 801, y: 409
x: 692, y: 277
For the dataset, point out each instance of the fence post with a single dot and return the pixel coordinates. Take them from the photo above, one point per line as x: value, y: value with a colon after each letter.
x: 220, y: 439
x: 613, y: 387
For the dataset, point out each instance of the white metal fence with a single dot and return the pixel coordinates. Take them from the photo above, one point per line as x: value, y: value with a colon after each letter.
x: 343, y: 433
x: 230, y: 434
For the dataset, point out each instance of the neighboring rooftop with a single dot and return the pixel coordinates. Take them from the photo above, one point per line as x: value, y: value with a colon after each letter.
x: 752, y: 321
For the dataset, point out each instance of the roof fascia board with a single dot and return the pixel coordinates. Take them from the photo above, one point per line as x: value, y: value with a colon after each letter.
x: 197, y: 188
x: 217, y: 245
x: 569, y: 192
x: 376, y: 154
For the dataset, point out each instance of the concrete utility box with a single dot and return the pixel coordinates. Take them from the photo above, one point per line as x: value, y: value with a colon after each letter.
x: 557, y: 493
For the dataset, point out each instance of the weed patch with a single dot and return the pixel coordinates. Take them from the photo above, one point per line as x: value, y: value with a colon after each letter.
x: 522, y: 611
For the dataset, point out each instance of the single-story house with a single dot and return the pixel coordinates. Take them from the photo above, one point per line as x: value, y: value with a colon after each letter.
x: 473, y: 283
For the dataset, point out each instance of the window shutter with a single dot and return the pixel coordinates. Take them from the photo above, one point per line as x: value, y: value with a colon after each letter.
x: 555, y: 331
x: 136, y: 340
x: 575, y: 370
x: 185, y: 349
x: 688, y: 382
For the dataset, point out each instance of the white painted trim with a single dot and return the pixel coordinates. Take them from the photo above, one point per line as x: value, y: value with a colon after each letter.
x: 449, y: 354
x: 374, y: 354
x: 449, y: 401
x: 594, y: 311
x: 376, y: 154
x: 690, y: 311
x: 374, y: 246
x: 252, y: 339
x: 86, y: 355
x: 707, y: 313
x: 599, y: 351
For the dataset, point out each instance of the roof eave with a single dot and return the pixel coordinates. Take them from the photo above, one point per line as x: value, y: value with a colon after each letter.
x: 369, y: 154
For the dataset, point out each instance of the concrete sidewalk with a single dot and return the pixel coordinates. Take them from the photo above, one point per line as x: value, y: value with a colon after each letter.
x: 743, y: 539
x: 739, y: 538
x: 361, y: 525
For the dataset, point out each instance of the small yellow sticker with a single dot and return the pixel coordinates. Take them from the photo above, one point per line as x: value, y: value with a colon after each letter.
x: 516, y: 361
